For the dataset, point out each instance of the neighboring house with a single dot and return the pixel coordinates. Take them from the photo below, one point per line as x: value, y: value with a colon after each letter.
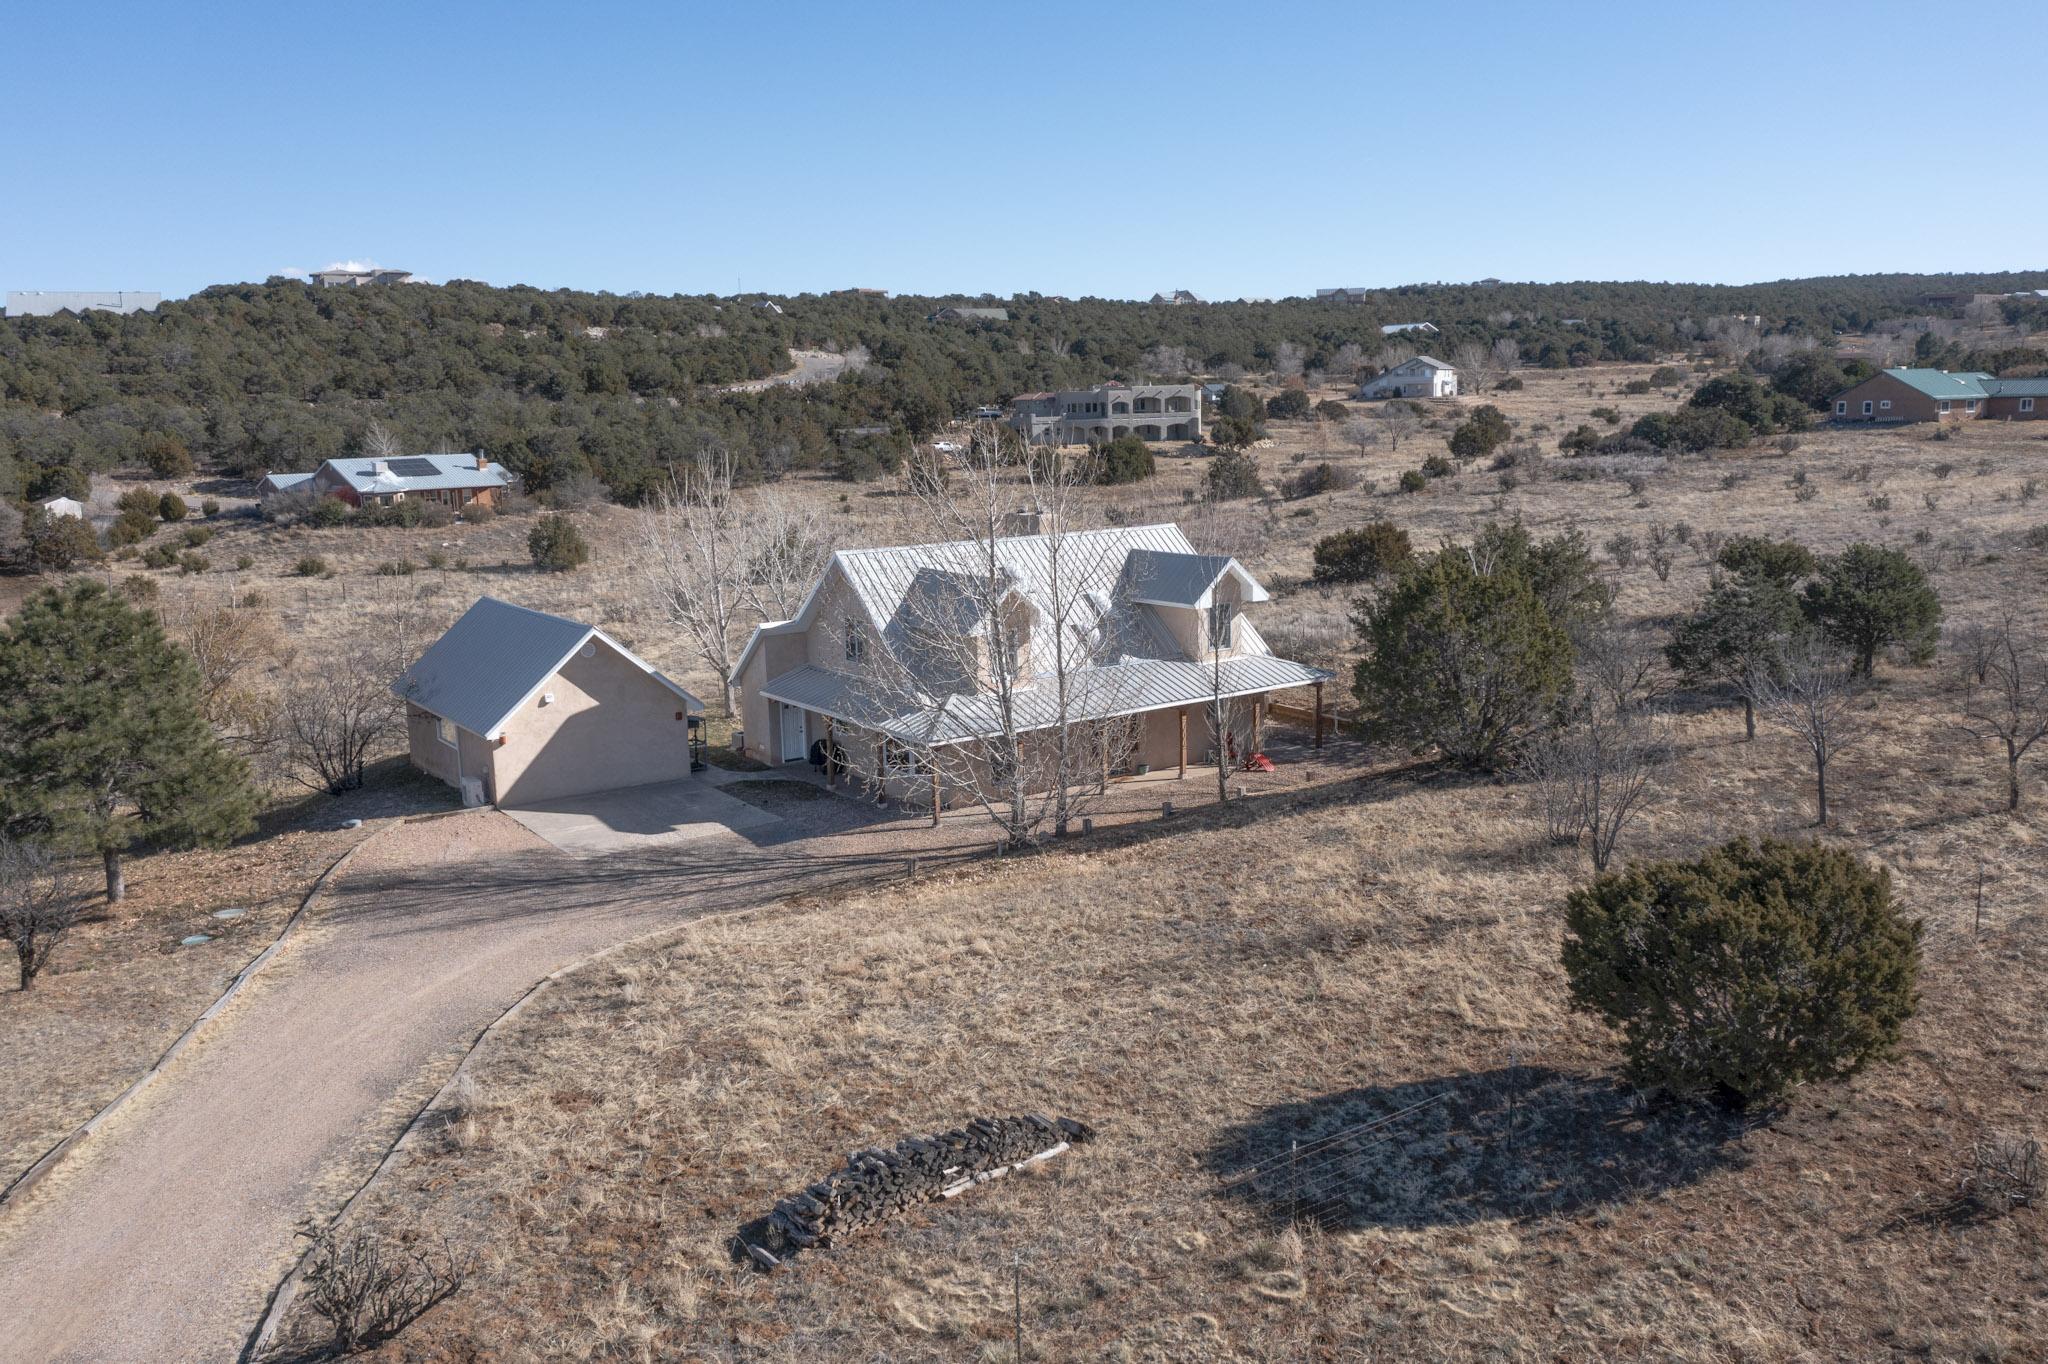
x: 1396, y: 328
x: 1423, y: 377
x: 1177, y: 297
x: 529, y: 706
x: 1927, y: 395
x: 49, y: 302
x: 1345, y: 295
x: 1164, y: 634
x: 63, y: 506
x: 356, y: 279
x: 1095, y: 416
x: 767, y: 305
x: 454, y: 481
x: 951, y: 314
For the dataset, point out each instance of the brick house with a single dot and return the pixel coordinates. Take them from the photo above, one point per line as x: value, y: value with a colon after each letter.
x: 1929, y: 395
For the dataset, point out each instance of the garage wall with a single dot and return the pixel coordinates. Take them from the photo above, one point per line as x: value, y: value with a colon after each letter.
x: 609, y: 725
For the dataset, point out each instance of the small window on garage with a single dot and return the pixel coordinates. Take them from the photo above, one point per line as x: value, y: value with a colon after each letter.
x: 1885, y: 406
x: 444, y: 730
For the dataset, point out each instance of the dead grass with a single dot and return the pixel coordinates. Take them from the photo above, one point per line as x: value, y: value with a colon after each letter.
x: 1299, y: 964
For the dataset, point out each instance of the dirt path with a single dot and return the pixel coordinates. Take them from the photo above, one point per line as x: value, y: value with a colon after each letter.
x: 806, y: 367
x: 164, y: 1236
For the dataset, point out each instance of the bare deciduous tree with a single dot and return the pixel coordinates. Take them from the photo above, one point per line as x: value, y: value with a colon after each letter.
x: 41, y: 897
x: 1813, y: 697
x: 1592, y: 778
x: 334, y: 716
x: 1288, y: 358
x: 1397, y: 417
x: 1361, y: 434
x: 1476, y: 370
x: 1506, y: 355
x: 230, y: 647
x: 1624, y: 665
x: 379, y: 443
x: 1393, y: 353
x: 698, y: 550
x: 2004, y: 695
x: 787, y: 553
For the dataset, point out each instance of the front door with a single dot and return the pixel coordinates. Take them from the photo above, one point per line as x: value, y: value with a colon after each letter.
x: 792, y: 734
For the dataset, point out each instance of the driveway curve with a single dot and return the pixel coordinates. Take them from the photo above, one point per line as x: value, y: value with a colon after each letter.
x: 162, y: 1237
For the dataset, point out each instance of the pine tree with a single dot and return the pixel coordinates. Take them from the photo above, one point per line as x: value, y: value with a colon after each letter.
x: 1868, y: 598
x: 102, y: 741
x: 1740, y: 628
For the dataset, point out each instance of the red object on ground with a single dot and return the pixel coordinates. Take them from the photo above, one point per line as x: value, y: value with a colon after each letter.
x: 1258, y: 762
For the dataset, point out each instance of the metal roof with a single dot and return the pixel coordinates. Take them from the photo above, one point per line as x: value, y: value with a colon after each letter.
x: 492, y: 661
x: 1098, y: 693
x: 2017, y: 388
x: 418, y: 473
x: 1167, y: 578
x: 1939, y: 383
x: 284, y: 483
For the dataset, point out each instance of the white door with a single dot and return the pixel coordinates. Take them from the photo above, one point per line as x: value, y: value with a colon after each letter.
x: 792, y: 734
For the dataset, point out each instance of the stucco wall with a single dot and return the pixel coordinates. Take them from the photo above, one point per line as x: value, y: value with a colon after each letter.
x: 609, y: 725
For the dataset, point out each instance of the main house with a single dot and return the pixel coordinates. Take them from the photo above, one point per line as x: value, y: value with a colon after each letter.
x: 1928, y: 395
x: 1424, y: 376
x: 1155, y: 635
x: 1095, y: 416
x: 513, y: 706
x: 455, y: 481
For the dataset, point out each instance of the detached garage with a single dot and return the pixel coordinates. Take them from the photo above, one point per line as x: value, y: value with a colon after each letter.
x: 514, y: 705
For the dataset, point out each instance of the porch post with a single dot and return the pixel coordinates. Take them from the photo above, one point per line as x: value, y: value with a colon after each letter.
x: 1258, y: 718
x: 1183, y: 742
x: 830, y: 775
x: 933, y: 758
x: 1104, y: 737
x: 881, y: 773
x: 1319, y: 715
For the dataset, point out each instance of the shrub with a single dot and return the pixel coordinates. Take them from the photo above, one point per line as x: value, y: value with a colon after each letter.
x: 1413, y: 480
x: 328, y: 512
x: 56, y: 543
x: 311, y: 566
x: 1636, y: 387
x: 165, y: 455
x: 195, y: 536
x: 1747, y: 972
x: 209, y: 507
x: 159, y: 556
x: 1468, y: 662
x: 1606, y: 414
x: 1436, y: 466
x: 477, y: 513
x: 1693, y: 429
x: 556, y: 544
x: 1232, y: 475
x: 1580, y: 440
x: 1330, y: 410
x: 1363, y: 554
x: 139, y: 502
x: 1125, y: 460
x: 245, y: 562
x: 1290, y: 404
x: 1868, y: 598
x: 1480, y: 433
x: 395, y: 568
x: 1511, y: 384
x: 437, y: 559
x: 192, y: 561
x: 368, y: 1292
x: 1782, y: 561
x: 1318, y: 478
x: 1623, y: 547
x: 171, y: 507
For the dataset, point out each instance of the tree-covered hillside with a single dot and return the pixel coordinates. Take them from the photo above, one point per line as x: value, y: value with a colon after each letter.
x: 561, y: 384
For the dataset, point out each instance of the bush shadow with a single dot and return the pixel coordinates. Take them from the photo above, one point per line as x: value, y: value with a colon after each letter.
x: 1517, y: 1142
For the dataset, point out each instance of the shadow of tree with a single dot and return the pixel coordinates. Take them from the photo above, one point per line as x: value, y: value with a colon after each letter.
x: 1518, y: 1142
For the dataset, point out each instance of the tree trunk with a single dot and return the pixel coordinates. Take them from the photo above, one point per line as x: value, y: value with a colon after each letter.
x: 117, y: 884
x: 1749, y: 719
x: 2012, y: 779
x: 1820, y: 791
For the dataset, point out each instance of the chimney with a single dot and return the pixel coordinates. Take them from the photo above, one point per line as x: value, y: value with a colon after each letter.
x: 480, y: 461
x: 1026, y: 521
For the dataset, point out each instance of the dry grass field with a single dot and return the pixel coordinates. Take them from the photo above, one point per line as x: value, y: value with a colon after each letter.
x: 1279, y: 973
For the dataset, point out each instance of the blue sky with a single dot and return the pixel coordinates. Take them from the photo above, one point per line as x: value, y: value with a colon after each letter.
x: 1231, y: 149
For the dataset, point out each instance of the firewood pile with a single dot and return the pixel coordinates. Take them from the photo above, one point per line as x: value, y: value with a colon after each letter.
x: 875, y: 1185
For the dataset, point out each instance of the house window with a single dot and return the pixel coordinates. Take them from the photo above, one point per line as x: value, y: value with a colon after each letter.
x: 901, y: 760
x: 1866, y: 407
x: 854, y: 642
x: 444, y: 730
x: 1220, y: 616
x: 1944, y: 407
x: 1885, y: 406
x: 1970, y: 406
x: 2026, y: 404
x: 1841, y: 407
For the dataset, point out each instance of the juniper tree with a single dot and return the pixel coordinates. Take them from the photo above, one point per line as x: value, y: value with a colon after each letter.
x: 1746, y: 972
x: 1738, y: 631
x: 103, y: 740
x: 1868, y: 598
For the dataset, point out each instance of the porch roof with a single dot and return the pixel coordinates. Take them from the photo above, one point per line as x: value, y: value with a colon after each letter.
x: 1128, y: 688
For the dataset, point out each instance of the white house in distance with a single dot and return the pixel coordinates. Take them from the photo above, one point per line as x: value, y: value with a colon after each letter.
x: 63, y: 506
x: 1425, y: 376
x: 1161, y: 628
x: 1397, y: 328
x: 513, y: 706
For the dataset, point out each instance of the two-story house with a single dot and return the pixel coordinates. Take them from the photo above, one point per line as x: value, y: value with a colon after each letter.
x: 1096, y: 416
x: 1425, y: 376
x: 1128, y: 625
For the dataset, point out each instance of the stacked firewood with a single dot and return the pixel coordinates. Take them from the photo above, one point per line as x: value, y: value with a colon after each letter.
x: 876, y: 1184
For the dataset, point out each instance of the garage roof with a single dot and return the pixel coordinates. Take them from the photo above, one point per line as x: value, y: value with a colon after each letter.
x: 493, y: 660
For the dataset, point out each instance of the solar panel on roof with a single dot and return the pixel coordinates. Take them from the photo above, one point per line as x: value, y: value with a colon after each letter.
x: 414, y: 467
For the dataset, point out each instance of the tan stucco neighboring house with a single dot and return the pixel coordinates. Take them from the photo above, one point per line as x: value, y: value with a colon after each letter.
x: 1159, y: 632
x: 516, y: 706
x: 453, y: 481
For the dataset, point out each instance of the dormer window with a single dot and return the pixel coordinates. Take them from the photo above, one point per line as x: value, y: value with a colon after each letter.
x: 854, y: 642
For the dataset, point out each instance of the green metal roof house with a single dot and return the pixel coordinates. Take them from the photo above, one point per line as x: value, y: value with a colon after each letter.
x: 1927, y: 395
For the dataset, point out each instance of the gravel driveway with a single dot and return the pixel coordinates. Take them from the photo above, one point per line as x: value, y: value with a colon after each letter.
x: 162, y: 1237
